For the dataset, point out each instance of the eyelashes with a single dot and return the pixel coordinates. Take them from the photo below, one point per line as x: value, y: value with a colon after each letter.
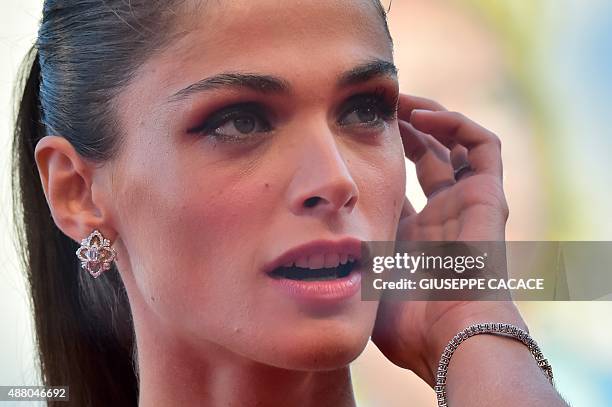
x: 368, y: 107
x: 243, y: 122
x: 235, y: 122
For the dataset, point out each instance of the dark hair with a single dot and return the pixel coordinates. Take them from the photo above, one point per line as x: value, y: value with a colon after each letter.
x: 86, y: 52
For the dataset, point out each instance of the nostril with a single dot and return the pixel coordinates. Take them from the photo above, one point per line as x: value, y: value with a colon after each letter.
x: 351, y: 202
x: 310, y: 202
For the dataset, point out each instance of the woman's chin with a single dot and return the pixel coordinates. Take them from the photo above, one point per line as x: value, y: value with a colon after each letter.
x: 319, y: 352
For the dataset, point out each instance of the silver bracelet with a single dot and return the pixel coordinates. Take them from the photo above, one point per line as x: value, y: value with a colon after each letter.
x: 486, y: 328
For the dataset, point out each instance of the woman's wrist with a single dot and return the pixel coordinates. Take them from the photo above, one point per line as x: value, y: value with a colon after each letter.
x: 466, y: 314
x: 496, y: 370
x: 480, y: 356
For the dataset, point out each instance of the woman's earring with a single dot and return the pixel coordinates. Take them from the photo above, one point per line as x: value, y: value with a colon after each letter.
x: 96, y: 254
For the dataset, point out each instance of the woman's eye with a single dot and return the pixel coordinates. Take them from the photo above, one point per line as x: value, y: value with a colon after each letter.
x: 240, y: 125
x: 369, y: 110
x: 236, y: 123
x: 360, y: 114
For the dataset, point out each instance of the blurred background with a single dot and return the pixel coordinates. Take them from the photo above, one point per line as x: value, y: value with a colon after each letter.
x: 536, y: 72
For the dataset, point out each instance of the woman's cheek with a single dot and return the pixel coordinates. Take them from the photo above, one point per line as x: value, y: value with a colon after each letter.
x: 386, y: 186
x: 193, y: 230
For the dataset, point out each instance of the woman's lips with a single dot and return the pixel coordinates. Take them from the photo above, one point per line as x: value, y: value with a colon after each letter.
x: 317, y: 255
x: 321, y: 291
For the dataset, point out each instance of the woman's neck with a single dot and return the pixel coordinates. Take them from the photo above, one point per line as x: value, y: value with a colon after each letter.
x: 175, y: 373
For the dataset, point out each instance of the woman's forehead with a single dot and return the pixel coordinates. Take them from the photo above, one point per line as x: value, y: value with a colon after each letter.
x: 293, y: 40
x: 240, y: 24
x: 237, y: 13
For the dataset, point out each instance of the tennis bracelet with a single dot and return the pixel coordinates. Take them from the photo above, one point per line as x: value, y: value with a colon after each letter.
x: 508, y: 330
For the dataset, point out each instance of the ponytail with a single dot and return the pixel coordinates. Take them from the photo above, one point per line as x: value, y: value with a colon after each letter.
x: 84, y: 332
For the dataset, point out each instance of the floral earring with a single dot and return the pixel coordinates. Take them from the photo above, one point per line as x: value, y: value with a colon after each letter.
x: 96, y: 254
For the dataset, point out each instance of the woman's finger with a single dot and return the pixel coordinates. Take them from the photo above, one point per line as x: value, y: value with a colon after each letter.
x: 460, y: 162
x: 431, y: 158
x: 416, y: 143
x: 451, y: 128
x: 408, y: 103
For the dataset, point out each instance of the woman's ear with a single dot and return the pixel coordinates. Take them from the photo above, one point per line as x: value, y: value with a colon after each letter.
x: 67, y: 182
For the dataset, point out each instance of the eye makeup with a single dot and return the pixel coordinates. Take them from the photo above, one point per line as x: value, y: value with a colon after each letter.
x: 369, y: 109
x: 247, y: 121
x: 246, y: 118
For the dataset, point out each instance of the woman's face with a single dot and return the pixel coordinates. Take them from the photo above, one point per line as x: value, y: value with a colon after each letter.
x: 265, y: 126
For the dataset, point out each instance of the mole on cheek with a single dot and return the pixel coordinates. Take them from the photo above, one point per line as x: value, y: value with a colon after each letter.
x: 267, y: 185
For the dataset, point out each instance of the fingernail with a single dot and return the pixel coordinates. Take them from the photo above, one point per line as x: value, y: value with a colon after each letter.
x: 420, y: 111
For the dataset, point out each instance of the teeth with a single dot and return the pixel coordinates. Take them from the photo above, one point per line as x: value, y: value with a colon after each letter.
x: 343, y: 258
x: 332, y: 260
x: 302, y: 262
x: 316, y: 261
x: 321, y: 260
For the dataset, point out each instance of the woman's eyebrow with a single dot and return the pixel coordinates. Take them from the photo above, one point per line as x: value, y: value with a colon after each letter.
x: 271, y: 84
x: 367, y: 71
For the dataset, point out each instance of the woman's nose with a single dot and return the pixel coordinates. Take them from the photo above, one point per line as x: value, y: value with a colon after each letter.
x: 322, y: 183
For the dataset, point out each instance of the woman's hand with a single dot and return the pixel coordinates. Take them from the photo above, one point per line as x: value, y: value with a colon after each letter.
x: 459, y: 168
